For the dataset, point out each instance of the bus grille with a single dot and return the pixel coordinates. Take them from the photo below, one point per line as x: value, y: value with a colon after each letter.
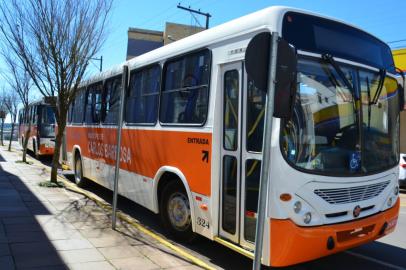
x: 351, y: 194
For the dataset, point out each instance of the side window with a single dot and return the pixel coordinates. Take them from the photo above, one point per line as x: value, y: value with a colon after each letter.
x: 255, y: 117
x: 25, y: 116
x: 111, y: 101
x: 48, y: 115
x: 93, y: 104
x: 142, y: 96
x: 70, y: 110
x: 78, y: 106
x: 231, y: 102
x: 33, y: 114
x: 185, y: 95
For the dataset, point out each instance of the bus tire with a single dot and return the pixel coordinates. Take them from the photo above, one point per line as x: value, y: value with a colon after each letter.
x: 175, y: 212
x: 79, y: 179
x: 34, y: 148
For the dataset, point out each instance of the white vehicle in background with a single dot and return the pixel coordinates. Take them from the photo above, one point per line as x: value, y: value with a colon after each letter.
x: 402, y: 171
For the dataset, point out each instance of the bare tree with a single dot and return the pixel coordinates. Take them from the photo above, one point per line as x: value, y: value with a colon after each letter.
x: 54, y: 41
x: 11, y: 102
x: 19, y: 81
x: 2, y: 115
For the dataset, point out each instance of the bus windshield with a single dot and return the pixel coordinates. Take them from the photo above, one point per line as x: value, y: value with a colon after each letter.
x: 335, y: 130
x: 48, y: 115
x: 47, y: 124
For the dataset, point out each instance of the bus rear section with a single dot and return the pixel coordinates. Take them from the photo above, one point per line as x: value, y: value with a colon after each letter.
x: 38, y: 123
x: 193, y: 138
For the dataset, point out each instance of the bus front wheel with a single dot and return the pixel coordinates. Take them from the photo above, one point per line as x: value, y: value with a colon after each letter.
x: 79, y: 179
x: 175, y: 212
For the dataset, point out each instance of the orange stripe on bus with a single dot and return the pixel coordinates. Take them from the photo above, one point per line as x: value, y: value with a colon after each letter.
x: 145, y: 151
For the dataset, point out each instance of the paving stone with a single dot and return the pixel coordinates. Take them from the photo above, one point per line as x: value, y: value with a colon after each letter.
x: 6, y: 263
x: 161, y: 257
x: 58, y: 234
x: 107, y: 241
x: 99, y: 233
x: 18, y: 220
x: 71, y: 244
x: 4, y: 249
x: 92, y: 265
x: 119, y: 252
x: 49, y: 267
x: 23, y: 227
x: 81, y: 255
x: 186, y: 267
x: 36, y: 254
x: 134, y: 263
x: 57, y: 229
x: 25, y: 237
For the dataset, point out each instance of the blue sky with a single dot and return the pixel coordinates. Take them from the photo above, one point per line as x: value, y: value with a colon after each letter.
x: 385, y: 19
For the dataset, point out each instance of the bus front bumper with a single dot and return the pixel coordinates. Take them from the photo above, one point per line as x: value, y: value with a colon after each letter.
x: 292, y: 244
x: 45, y: 149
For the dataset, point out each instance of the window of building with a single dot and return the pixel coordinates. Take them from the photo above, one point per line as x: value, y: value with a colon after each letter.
x: 142, y: 96
x: 111, y: 101
x: 185, y: 95
x: 93, y: 104
x: 78, y: 106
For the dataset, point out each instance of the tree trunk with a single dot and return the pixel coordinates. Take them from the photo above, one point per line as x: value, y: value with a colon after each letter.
x: 25, y: 142
x: 11, y: 135
x: 1, y: 132
x: 58, y: 143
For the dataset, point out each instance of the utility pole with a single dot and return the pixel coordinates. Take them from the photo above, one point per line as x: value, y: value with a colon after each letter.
x: 98, y: 59
x: 207, y: 15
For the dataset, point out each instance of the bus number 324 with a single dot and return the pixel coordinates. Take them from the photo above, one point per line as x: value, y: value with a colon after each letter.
x: 202, y: 222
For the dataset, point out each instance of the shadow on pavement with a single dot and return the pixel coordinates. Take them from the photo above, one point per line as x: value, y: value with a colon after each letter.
x: 202, y: 247
x: 23, y: 241
x: 228, y: 259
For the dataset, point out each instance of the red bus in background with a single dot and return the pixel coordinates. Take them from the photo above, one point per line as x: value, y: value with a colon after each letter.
x: 39, y: 118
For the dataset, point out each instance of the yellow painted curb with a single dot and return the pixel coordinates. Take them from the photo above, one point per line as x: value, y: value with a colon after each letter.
x: 69, y: 185
x: 65, y: 167
x: 103, y: 204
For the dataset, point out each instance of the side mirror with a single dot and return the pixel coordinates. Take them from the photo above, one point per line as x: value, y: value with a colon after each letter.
x: 401, y: 89
x: 257, y: 65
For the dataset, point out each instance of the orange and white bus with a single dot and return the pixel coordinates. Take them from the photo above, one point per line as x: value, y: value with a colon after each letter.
x: 39, y: 117
x: 192, y: 138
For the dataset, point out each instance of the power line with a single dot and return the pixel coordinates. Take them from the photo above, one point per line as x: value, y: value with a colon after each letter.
x: 396, y: 41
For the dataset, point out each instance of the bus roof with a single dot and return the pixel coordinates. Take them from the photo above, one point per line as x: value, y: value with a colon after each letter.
x: 269, y: 18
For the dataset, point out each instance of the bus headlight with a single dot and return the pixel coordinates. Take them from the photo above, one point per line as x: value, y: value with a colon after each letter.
x: 396, y: 190
x: 297, y: 206
x: 389, y: 203
x: 307, y: 218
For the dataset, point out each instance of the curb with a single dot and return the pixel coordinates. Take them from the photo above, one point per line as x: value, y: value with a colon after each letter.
x: 124, y: 217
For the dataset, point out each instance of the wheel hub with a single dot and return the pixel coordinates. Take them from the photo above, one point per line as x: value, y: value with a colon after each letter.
x: 179, y: 211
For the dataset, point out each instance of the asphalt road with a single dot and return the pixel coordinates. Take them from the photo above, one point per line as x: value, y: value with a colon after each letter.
x: 388, y: 252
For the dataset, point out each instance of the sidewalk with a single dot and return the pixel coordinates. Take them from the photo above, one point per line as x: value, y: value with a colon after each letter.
x: 53, y: 228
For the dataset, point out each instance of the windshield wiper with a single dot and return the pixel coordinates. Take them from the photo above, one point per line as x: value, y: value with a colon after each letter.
x: 369, y: 103
x: 329, y: 59
x: 382, y: 75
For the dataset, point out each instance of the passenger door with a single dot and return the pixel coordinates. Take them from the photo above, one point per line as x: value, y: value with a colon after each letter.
x: 241, y: 145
